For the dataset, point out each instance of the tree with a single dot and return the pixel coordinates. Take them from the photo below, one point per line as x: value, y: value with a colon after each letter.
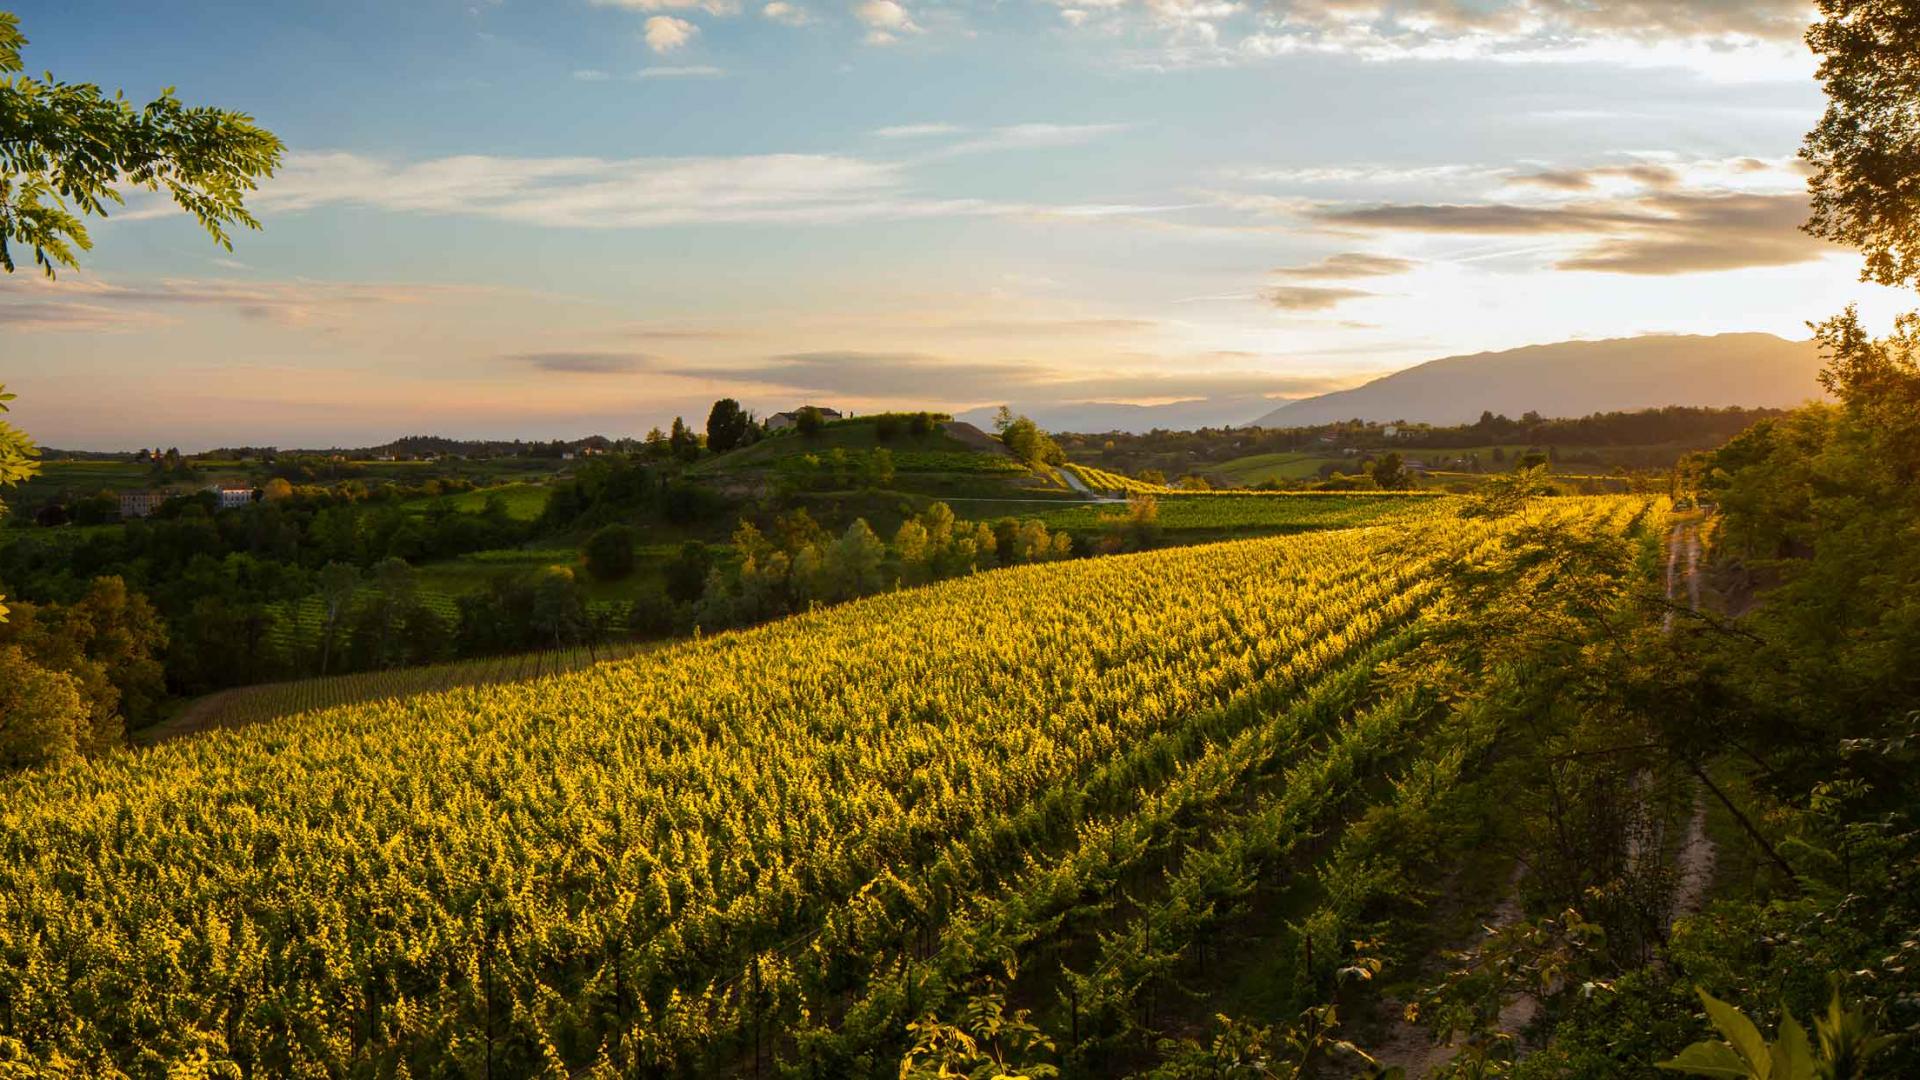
x: 1390, y: 473
x: 559, y: 614
x: 70, y: 147
x: 880, y: 468
x: 16, y: 449
x: 42, y: 715
x: 338, y: 582
x: 728, y: 426
x: 609, y: 552
x: 1866, y: 151
x: 682, y: 442
x: 853, y: 563
x: 809, y: 421
x: 687, y: 573
x: 1003, y: 419
x: 1029, y: 443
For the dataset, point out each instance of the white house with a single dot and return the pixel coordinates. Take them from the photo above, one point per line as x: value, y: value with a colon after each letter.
x: 781, y: 420
x: 231, y: 498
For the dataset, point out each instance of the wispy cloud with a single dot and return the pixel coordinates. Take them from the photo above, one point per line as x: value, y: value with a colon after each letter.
x: 1310, y: 297
x: 1352, y: 264
x: 917, y: 131
x: 91, y: 303
x: 585, y: 363
x: 684, y: 71
x: 1735, y: 39
x: 955, y: 380
x: 1034, y: 136
x: 638, y: 192
x: 1662, y: 232
x: 711, y: 7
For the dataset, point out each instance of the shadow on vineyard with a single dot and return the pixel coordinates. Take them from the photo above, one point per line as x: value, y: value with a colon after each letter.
x: 252, y: 704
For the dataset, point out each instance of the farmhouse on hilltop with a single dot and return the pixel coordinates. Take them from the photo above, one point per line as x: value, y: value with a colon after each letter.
x: 781, y: 420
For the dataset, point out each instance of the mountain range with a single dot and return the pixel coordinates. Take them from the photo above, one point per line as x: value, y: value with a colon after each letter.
x: 1575, y: 378
x: 1567, y: 378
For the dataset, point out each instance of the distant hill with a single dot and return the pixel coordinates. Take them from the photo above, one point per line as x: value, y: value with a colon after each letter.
x: 1094, y: 417
x: 1575, y: 378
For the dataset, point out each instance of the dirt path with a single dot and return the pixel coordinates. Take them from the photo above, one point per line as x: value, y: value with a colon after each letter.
x: 1073, y: 481
x: 1410, y: 1046
x: 1697, y: 856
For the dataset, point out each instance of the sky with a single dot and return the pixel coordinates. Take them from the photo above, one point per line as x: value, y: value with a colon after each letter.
x: 552, y: 218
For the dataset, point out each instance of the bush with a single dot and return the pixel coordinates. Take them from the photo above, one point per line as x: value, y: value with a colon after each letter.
x: 609, y: 552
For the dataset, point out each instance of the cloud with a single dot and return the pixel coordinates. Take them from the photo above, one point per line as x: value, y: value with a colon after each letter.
x: 1662, y: 232
x: 912, y: 376
x: 686, y: 71
x: 711, y: 7
x: 1034, y: 136
x: 1704, y: 233
x: 591, y: 75
x: 917, y: 131
x: 586, y: 363
x: 1645, y: 174
x: 664, y: 33
x: 786, y: 14
x: 885, y: 21
x: 1732, y: 38
x: 87, y: 303
x: 589, y: 192
x: 1352, y: 264
x: 597, y: 192
x: 1309, y: 297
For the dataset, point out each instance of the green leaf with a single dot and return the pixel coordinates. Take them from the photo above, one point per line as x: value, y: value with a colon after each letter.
x: 1739, y: 1032
x: 1792, y: 1055
x: 1711, y: 1059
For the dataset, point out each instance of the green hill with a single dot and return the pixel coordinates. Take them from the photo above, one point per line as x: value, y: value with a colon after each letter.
x: 952, y: 461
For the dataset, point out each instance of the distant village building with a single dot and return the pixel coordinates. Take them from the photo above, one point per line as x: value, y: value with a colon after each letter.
x: 781, y: 420
x: 138, y: 504
x: 1389, y: 431
x: 231, y: 498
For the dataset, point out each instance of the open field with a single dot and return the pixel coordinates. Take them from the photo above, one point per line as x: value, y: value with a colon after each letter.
x: 524, y: 500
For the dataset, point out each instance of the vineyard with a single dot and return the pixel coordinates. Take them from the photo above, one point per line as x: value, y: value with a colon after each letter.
x: 766, y: 850
x: 268, y: 701
x: 1190, y: 516
x: 1117, y: 484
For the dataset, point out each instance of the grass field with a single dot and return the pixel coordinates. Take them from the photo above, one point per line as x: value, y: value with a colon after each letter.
x: 850, y: 435
x: 524, y: 500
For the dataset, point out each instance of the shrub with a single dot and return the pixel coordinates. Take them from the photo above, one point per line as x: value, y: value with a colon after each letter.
x: 610, y: 552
